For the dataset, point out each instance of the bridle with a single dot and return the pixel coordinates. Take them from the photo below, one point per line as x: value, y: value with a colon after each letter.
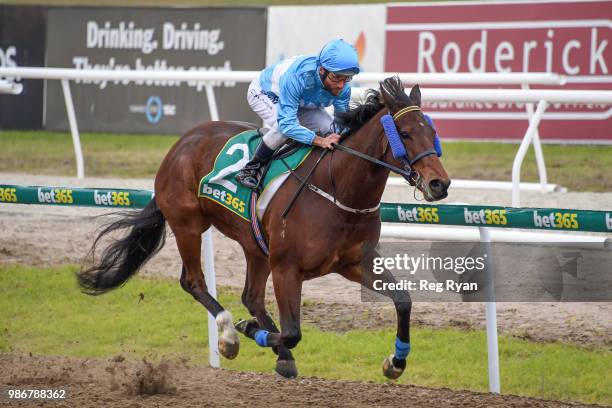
x: 398, y: 149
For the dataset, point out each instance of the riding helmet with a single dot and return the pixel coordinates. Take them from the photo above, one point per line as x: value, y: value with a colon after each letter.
x: 339, y: 57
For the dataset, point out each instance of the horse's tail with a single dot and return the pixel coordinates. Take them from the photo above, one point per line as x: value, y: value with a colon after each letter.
x: 124, y: 257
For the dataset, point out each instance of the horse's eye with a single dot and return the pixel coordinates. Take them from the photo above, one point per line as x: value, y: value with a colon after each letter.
x: 404, y: 134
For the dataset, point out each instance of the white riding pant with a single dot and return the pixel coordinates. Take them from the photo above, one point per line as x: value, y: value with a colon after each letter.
x: 315, y: 119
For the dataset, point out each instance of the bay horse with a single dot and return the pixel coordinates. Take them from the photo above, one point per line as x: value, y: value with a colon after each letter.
x: 316, y: 238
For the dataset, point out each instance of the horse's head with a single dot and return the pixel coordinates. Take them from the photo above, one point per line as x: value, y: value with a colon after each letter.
x: 413, y: 144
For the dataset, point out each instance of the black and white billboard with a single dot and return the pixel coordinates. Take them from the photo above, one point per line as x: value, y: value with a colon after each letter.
x: 22, y: 43
x: 152, y: 39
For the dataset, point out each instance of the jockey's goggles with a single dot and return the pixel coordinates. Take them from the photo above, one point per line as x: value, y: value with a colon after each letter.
x: 337, y: 78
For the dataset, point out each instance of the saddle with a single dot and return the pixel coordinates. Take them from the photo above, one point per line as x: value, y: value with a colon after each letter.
x: 220, y: 187
x: 283, y: 151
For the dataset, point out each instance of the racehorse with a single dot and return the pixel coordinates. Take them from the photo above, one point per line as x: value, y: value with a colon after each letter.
x: 318, y: 236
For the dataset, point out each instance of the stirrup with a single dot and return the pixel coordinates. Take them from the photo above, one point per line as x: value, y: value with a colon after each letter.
x: 248, y: 178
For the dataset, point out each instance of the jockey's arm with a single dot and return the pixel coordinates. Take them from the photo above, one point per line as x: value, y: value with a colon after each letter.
x: 291, y: 89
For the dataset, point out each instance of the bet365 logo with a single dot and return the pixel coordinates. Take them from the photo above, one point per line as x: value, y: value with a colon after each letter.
x: 418, y: 214
x: 112, y: 198
x: 485, y: 217
x: 8, y: 195
x: 556, y: 219
x: 55, y: 196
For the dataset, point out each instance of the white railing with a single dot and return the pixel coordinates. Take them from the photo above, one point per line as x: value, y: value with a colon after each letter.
x: 542, y: 97
x: 248, y: 76
x: 209, y: 77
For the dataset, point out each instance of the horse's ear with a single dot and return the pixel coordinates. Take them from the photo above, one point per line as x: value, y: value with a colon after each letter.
x: 387, y: 99
x: 415, y: 95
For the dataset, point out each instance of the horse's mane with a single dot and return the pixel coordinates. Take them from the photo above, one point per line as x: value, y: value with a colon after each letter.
x: 360, y: 113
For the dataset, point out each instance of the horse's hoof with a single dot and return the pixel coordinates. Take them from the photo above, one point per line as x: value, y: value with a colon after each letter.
x: 286, y: 368
x: 229, y: 343
x: 245, y: 326
x: 229, y: 350
x: 389, y: 370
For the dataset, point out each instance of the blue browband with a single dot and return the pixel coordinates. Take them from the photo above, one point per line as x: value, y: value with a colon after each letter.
x: 395, y: 141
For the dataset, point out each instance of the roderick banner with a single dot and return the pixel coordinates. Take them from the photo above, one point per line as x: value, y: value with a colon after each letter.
x: 568, y: 38
x: 152, y: 39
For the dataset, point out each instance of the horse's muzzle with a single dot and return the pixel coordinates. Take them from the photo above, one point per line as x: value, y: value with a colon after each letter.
x: 438, y: 189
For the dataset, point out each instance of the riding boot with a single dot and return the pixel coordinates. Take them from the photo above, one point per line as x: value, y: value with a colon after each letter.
x: 249, y: 175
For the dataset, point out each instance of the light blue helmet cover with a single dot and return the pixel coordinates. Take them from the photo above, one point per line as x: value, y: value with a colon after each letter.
x: 339, y: 57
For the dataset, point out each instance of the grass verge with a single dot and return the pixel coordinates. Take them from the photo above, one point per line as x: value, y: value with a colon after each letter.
x: 580, y: 168
x: 43, y: 312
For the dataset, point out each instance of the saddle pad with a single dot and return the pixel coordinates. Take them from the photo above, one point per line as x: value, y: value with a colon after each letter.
x: 220, y: 186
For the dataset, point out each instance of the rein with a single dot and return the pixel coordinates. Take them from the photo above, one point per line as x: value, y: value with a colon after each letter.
x: 399, y: 152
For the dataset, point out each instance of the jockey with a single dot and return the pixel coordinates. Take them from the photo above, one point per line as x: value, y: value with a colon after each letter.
x: 291, y: 96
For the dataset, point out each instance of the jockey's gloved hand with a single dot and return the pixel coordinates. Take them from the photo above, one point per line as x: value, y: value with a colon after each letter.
x: 326, y: 142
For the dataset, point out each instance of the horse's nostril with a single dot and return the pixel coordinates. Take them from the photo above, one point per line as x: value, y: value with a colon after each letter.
x: 437, y: 186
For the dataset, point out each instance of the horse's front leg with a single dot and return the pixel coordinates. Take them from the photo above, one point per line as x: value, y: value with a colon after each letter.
x: 288, y: 292
x: 362, y: 273
x: 253, y: 297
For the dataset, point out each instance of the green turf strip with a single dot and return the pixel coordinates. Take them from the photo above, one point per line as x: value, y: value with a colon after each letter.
x: 43, y: 312
x: 580, y: 168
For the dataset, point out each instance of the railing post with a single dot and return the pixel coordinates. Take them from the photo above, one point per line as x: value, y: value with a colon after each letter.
x: 491, y: 316
x: 211, y: 284
x: 520, y: 154
x: 74, y: 130
x: 537, y: 147
x: 209, y: 254
x: 212, y: 102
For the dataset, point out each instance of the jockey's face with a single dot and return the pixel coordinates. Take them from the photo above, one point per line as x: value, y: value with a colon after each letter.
x: 332, y: 82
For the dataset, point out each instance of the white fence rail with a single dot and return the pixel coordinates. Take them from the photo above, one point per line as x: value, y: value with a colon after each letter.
x: 211, y: 78
x: 248, y: 76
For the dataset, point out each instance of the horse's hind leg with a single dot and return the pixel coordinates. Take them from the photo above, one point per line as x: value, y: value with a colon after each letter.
x: 253, y: 298
x: 188, y: 232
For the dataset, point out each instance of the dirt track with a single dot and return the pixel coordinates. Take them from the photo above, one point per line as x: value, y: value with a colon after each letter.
x: 123, y: 383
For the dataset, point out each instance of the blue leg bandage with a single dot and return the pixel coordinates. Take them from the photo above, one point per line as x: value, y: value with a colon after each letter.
x: 261, y: 338
x: 401, y: 349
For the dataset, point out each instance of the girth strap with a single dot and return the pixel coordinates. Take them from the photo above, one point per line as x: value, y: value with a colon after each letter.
x: 327, y: 196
